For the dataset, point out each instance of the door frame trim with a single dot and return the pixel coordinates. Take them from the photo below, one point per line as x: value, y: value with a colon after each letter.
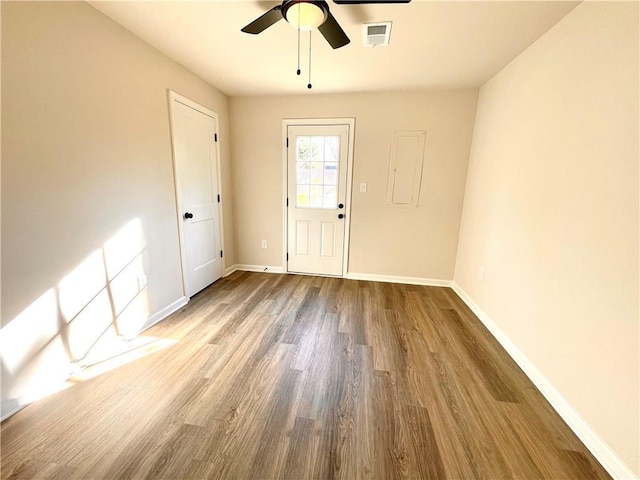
x: 290, y: 122
x: 176, y: 97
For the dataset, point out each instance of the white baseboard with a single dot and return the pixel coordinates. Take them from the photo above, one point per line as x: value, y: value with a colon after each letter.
x: 372, y: 277
x: 259, y: 268
x: 229, y: 270
x: 10, y: 407
x: 165, y: 312
x: 607, y: 457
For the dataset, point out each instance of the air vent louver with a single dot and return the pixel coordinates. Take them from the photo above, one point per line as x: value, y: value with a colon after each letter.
x: 376, y: 34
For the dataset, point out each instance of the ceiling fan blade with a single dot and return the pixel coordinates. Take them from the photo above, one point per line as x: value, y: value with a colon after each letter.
x: 357, y: 2
x: 264, y: 21
x: 333, y: 32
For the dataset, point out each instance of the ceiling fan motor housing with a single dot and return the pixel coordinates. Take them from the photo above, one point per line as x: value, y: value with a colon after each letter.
x: 293, y: 18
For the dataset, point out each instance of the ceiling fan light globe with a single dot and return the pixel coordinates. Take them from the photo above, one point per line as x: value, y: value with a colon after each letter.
x: 306, y: 16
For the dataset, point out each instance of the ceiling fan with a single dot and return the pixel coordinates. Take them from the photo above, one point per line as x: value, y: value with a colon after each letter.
x: 308, y: 15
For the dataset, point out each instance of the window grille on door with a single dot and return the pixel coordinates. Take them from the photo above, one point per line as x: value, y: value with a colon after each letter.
x: 317, y: 171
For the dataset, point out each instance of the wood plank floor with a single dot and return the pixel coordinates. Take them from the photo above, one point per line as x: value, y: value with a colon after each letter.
x: 284, y: 376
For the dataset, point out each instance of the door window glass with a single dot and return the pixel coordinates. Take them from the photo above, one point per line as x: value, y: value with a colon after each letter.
x: 317, y: 166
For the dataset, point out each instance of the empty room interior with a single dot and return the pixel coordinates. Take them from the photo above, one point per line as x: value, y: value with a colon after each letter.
x: 309, y: 239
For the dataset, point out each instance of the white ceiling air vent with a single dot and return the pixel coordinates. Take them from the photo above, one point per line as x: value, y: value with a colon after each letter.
x: 376, y: 34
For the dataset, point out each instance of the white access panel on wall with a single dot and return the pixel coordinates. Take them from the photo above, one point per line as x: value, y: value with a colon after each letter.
x: 405, y: 168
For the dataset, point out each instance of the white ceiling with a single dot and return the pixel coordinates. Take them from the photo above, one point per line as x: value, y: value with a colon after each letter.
x: 434, y: 44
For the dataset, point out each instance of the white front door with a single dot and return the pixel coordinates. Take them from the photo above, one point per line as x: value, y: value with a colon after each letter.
x: 317, y: 196
x: 196, y: 167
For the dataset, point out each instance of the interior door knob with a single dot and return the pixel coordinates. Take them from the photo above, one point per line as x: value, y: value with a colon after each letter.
x: 340, y: 216
x: 188, y: 215
x: 341, y: 205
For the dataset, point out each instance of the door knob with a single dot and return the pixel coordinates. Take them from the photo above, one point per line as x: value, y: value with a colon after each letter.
x: 341, y: 216
x: 188, y: 215
x: 341, y: 205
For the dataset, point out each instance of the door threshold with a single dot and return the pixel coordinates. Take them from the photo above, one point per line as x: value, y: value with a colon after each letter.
x: 316, y: 274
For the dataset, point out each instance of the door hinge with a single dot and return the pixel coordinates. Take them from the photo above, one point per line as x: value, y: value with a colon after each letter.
x: 215, y: 137
x: 287, y: 257
x: 221, y: 254
x: 218, y: 198
x: 287, y: 142
x: 287, y: 201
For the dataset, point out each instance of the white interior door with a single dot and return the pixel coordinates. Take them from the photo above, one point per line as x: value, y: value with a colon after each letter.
x: 196, y: 164
x: 317, y: 194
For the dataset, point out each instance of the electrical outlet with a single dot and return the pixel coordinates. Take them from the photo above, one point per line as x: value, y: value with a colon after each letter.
x: 363, y: 187
x: 263, y: 244
x: 142, y: 282
x: 481, y: 273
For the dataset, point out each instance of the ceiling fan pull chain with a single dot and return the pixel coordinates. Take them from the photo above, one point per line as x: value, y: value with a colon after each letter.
x: 298, y: 71
x: 309, y: 84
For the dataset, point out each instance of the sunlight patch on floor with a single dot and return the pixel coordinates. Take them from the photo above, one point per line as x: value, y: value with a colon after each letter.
x: 132, y: 350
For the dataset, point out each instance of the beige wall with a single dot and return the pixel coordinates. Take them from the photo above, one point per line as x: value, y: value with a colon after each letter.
x: 85, y: 150
x: 417, y: 242
x: 551, y: 213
